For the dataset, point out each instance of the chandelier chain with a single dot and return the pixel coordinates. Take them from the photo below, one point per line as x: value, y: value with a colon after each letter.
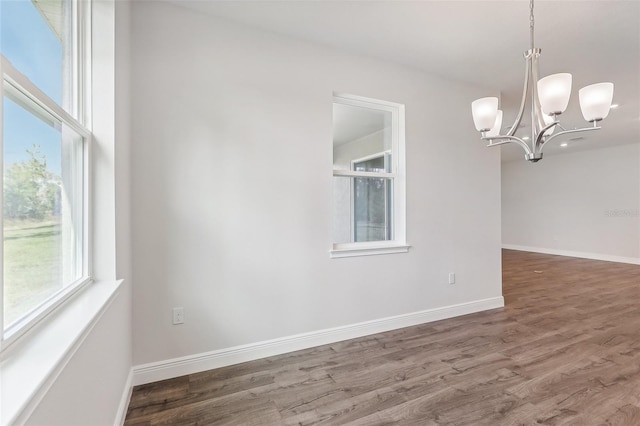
x: 531, y: 22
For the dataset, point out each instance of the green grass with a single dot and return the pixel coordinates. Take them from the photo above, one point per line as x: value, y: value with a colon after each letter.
x: 32, y: 261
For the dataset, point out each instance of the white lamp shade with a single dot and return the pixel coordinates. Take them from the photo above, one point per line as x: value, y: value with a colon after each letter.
x: 554, y: 92
x: 485, y: 111
x: 495, y: 130
x: 595, y: 101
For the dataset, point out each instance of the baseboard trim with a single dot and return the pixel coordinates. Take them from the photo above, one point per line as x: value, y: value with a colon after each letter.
x: 121, y: 415
x: 155, y: 371
x: 580, y: 254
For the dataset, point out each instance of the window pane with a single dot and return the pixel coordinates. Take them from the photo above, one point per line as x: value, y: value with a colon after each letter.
x: 362, y: 209
x: 372, y: 204
x: 35, y: 39
x: 359, y: 133
x: 42, y: 207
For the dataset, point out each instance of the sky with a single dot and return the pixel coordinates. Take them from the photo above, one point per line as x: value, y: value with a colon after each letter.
x: 32, y: 47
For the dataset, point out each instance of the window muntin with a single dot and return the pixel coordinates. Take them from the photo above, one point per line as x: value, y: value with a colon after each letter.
x: 45, y: 160
x: 368, y: 169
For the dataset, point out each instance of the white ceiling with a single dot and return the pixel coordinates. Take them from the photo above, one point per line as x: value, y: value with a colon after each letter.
x: 479, y: 42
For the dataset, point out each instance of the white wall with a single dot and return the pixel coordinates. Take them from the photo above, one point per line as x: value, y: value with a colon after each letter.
x: 232, y: 188
x: 122, y: 147
x: 90, y: 388
x: 585, y: 203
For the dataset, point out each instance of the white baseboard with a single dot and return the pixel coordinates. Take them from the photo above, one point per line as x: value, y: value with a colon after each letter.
x: 580, y: 254
x: 124, y: 400
x: 155, y: 371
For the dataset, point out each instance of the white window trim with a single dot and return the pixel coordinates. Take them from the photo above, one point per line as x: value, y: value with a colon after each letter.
x: 398, y: 244
x: 368, y: 249
x: 22, y: 86
x: 32, y: 365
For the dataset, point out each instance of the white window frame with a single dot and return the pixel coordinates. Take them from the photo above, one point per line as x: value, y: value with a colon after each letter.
x: 77, y: 119
x: 398, y: 242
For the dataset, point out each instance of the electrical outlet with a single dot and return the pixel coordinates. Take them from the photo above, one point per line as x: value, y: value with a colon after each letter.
x: 452, y: 278
x: 178, y: 316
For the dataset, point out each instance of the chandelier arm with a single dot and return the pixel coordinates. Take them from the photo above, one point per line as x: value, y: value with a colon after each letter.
x: 537, y: 122
x: 539, y: 139
x: 584, y: 129
x: 523, y: 102
x: 504, y: 139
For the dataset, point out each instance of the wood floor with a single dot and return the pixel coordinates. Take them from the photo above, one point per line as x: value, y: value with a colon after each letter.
x: 564, y: 350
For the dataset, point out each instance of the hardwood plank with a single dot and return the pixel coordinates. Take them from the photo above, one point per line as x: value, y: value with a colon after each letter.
x: 347, y: 409
x: 564, y: 350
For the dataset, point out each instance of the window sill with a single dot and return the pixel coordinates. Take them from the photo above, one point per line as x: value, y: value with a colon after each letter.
x: 365, y: 249
x: 29, y: 366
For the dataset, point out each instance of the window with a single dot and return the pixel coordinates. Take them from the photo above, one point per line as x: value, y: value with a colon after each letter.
x: 368, y: 177
x: 45, y: 152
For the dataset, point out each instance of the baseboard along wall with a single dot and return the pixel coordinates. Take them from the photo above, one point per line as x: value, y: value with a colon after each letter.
x: 580, y: 254
x: 121, y: 414
x: 155, y: 371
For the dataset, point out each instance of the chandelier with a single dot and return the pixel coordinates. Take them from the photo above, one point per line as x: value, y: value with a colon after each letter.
x: 549, y: 98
